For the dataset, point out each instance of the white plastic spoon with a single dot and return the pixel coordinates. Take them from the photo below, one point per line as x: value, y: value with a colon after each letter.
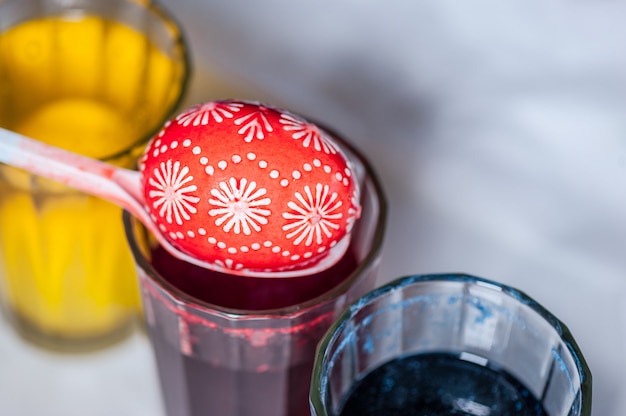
x: 233, y: 186
x: 124, y: 188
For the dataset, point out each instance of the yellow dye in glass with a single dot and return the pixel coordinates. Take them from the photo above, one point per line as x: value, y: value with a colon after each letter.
x: 94, y: 87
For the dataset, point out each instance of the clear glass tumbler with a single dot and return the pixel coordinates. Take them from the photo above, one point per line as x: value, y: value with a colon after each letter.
x: 449, y: 345
x: 241, y: 346
x: 97, y: 77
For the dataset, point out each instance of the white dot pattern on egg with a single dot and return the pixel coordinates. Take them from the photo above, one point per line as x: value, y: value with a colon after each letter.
x: 247, y: 186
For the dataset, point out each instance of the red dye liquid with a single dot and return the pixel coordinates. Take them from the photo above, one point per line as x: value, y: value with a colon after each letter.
x: 193, y: 386
x: 248, y: 292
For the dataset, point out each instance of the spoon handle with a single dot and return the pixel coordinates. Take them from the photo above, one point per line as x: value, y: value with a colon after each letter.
x: 118, y: 185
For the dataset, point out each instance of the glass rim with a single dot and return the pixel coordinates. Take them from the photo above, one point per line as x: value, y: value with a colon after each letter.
x: 321, y: 358
x: 288, y: 311
x: 181, y: 46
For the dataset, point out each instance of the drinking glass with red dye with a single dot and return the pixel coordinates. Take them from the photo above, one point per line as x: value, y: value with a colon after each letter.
x: 232, y: 345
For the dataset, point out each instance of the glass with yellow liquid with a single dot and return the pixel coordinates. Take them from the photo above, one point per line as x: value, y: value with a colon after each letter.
x: 97, y: 78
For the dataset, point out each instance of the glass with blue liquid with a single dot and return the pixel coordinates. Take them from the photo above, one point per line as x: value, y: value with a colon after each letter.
x: 451, y: 344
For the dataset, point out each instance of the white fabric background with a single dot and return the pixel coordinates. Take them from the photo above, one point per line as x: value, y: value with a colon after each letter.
x: 498, y: 129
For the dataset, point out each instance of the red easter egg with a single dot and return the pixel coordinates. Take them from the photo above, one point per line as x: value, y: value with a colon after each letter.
x: 246, y: 186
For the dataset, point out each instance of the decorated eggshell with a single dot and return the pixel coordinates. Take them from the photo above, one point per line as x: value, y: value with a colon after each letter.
x: 246, y: 186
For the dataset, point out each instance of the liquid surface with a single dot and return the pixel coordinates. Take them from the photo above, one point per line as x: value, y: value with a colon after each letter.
x: 439, y: 384
x: 80, y: 83
x: 245, y: 292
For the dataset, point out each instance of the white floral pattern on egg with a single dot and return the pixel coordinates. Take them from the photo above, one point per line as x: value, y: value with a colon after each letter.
x: 247, y: 186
